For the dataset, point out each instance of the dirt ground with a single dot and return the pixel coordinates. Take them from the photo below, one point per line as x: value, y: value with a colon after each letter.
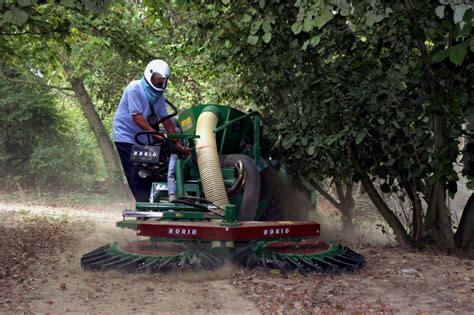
x: 40, y: 273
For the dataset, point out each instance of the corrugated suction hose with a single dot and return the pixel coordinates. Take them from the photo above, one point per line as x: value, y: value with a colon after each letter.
x: 208, y: 159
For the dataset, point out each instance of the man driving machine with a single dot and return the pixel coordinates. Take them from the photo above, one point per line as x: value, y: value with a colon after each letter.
x: 141, y: 108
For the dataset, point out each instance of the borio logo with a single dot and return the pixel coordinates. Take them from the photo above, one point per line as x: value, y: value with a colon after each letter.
x: 182, y: 232
x: 276, y: 231
x: 141, y: 153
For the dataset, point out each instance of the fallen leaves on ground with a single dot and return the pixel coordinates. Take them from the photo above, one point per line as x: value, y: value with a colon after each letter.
x: 435, y: 283
x: 394, y: 280
x: 29, y: 247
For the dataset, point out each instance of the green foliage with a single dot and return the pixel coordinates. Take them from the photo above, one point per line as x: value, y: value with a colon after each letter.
x: 22, y: 12
x: 370, y: 75
x: 106, y: 47
x: 39, y: 147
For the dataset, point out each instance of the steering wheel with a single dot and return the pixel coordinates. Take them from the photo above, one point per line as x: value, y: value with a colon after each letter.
x: 151, y: 140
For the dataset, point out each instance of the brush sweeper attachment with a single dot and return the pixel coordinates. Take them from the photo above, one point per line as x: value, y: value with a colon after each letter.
x: 219, y: 202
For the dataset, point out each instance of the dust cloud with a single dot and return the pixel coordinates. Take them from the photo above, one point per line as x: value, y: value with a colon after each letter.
x: 369, y: 228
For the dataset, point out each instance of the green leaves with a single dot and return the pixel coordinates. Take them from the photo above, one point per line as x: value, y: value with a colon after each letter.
x: 256, y: 26
x: 372, y: 17
x: 459, y: 10
x: 267, y: 37
x: 317, y: 16
x: 45, y: 147
x: 264, y: 24
x: 68, y: 3
x: 360, y: 137
x: 267, y: 28
x: 289, y: 140
x: 15, y: 16
x: 325, y: 16
x: 439, y: 11
x: 308, y: 25
x: 252, y: 39
x: 311, y: 42
x: 24, y: 3
x: 296, y: 28
x: 329, y: 74
x: 344, y: 8
x: 246, y: 18
x: 29, y: 12
x: 456, y: 54
x: 440, y: 56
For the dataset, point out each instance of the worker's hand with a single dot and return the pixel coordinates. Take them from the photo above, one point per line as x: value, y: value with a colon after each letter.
x: 159, y: 137
x: 179, y: 147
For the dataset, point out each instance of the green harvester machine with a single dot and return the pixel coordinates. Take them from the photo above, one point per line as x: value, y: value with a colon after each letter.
x: 221, y: 203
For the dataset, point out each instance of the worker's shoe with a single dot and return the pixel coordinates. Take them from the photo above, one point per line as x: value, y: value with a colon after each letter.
x: 171, y: 197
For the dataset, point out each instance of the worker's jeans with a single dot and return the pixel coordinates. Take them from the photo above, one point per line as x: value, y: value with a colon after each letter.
x: 172, y: 174
x: 140, y: 187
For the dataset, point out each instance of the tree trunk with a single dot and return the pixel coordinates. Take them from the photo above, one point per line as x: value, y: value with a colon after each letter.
x: 464, y: 236
x: 344, y: 194
x: 392, y: 220
x: 111, y: 160
x: 438, y: 221
x: 417, y: 212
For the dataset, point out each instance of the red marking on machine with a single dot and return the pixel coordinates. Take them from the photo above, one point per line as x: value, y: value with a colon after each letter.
x: 214, y: 231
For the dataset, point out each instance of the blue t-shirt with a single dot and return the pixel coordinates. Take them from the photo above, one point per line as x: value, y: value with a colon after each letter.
x: 134, y: 101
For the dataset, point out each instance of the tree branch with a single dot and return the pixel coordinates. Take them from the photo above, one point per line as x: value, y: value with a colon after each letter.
x: 325, y: 194
x: 398, y: 229
x: 25, y: 32
x: 61, y: 88
x: 428, y: 72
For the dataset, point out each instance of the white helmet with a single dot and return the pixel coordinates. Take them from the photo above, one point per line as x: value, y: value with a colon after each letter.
x: 157, y: 73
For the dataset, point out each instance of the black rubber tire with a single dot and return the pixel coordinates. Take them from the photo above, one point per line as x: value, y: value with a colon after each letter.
x: 251, y: 187
x: 286, y: 202
x: 274, y: 211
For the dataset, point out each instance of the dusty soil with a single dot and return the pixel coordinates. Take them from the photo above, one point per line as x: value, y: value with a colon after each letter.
x: 40, y: 273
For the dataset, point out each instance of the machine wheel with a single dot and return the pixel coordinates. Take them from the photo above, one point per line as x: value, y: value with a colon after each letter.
x: 274, y: 211
x: 251, y: 189
x: 151, y: 257
x: 271, y: 190
x: 304, y: 256
x: 285, y: 202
